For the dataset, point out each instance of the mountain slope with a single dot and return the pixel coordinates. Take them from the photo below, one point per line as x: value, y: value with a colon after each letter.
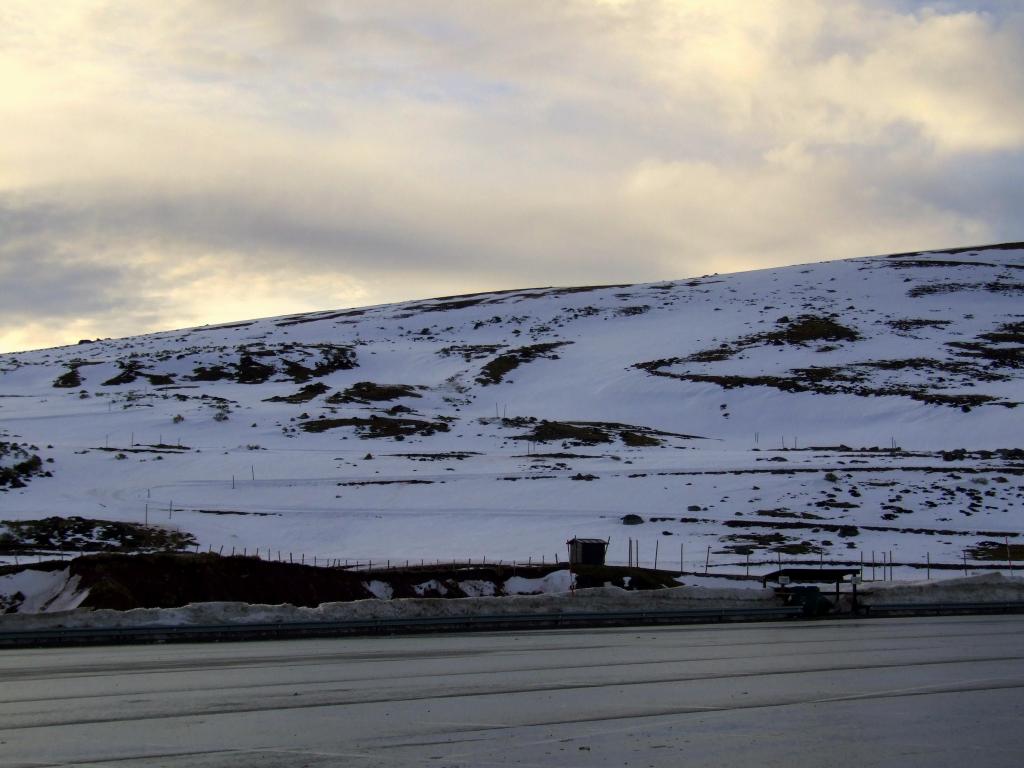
x: 500, y: 424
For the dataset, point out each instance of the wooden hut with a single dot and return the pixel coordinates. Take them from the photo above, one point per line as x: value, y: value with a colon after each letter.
x: 587, y: 551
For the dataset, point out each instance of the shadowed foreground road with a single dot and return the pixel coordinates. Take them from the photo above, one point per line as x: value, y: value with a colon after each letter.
x: 894, y: 692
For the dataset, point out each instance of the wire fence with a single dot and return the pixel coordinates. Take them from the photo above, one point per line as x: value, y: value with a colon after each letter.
x: 876, y: 565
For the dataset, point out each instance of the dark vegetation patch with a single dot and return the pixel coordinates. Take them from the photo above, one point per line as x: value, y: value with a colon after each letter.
x: 387, y: 482
x: 638, y: 440
x: 908, y: 263
x: 1007, y: 333
x: 633, y: 311
x: 158, y: 448
x: 470, y: 352
x: 19, y: 465
x: 171, y: 580
x: 973, y: 249
x: 304, y: 395
x: 997, y: 551
x: 378, y: 426
x: 132, y: 371
x: 801, y: 331
x: 72, y: 377
x: 785, y: 513
x: 995, y: 356
x: 313, y: 361
x: 251, y: 371
x: 561, y: 455
x: 83, y: 534
x: 852, y: 379
x: 441, y: 456
x: 808, y: 328
x: 547, y: 431
x: 748, y: 543
x: 235, y: 512
x: 594, y: 433
x: 909, y: 324
x: 495, y: 370
x: 540, y: 293
x: 210, y: 373
x: 313, y: 318
x: 366, y: 392
x: 852, y: 530
x: 713, y: 355
x: 962, y: 454
x: 444, y: 306
x: 995, y: 286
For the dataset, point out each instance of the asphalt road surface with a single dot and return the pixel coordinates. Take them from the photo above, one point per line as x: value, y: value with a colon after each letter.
x: 893, y: 692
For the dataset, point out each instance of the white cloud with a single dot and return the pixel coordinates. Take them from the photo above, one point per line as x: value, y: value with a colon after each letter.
x: 309, y: 154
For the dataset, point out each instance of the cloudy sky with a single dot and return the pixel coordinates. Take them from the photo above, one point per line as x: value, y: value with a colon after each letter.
x: 174, y: 163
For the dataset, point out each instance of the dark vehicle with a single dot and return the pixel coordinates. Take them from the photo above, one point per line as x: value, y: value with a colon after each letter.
x: 810, y: 598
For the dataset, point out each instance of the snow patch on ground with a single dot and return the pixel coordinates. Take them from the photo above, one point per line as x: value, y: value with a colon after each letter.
x: 477, y: 588
x: 556, y: 581
x: 991, y: 587
x: 431, y: 586
x: 994, y: 587
x: 379, y: 589
x: 585, y: 600
x: 32, y: 591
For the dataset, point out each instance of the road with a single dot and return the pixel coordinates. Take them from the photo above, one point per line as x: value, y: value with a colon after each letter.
x: 907, y: 692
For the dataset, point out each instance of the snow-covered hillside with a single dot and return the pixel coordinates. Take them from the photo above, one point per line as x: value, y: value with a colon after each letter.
x: 726, y: 411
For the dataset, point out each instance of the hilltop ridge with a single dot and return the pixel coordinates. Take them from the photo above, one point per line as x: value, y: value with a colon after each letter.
x: 501, y: 423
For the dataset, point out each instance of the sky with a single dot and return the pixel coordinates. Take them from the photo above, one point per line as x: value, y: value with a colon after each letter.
x: 171, y: 164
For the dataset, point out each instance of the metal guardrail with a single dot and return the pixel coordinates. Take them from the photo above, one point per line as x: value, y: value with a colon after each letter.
x: 912, y: 609
x: 68, y: 636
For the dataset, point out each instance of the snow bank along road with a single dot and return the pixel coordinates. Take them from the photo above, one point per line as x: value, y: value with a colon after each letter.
x: 921, y: 692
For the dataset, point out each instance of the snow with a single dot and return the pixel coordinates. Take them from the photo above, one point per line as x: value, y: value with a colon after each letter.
x: 431, y: 586
x: 556, y: 581
x: 599, y: 599
x: 989, y: 587
x: 379, y: 589
x: 477, y: 588
x: 41, y: 591
x: 258, y: 480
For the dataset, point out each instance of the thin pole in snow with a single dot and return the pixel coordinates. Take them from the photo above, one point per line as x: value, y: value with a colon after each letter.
x: 656, y: 542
